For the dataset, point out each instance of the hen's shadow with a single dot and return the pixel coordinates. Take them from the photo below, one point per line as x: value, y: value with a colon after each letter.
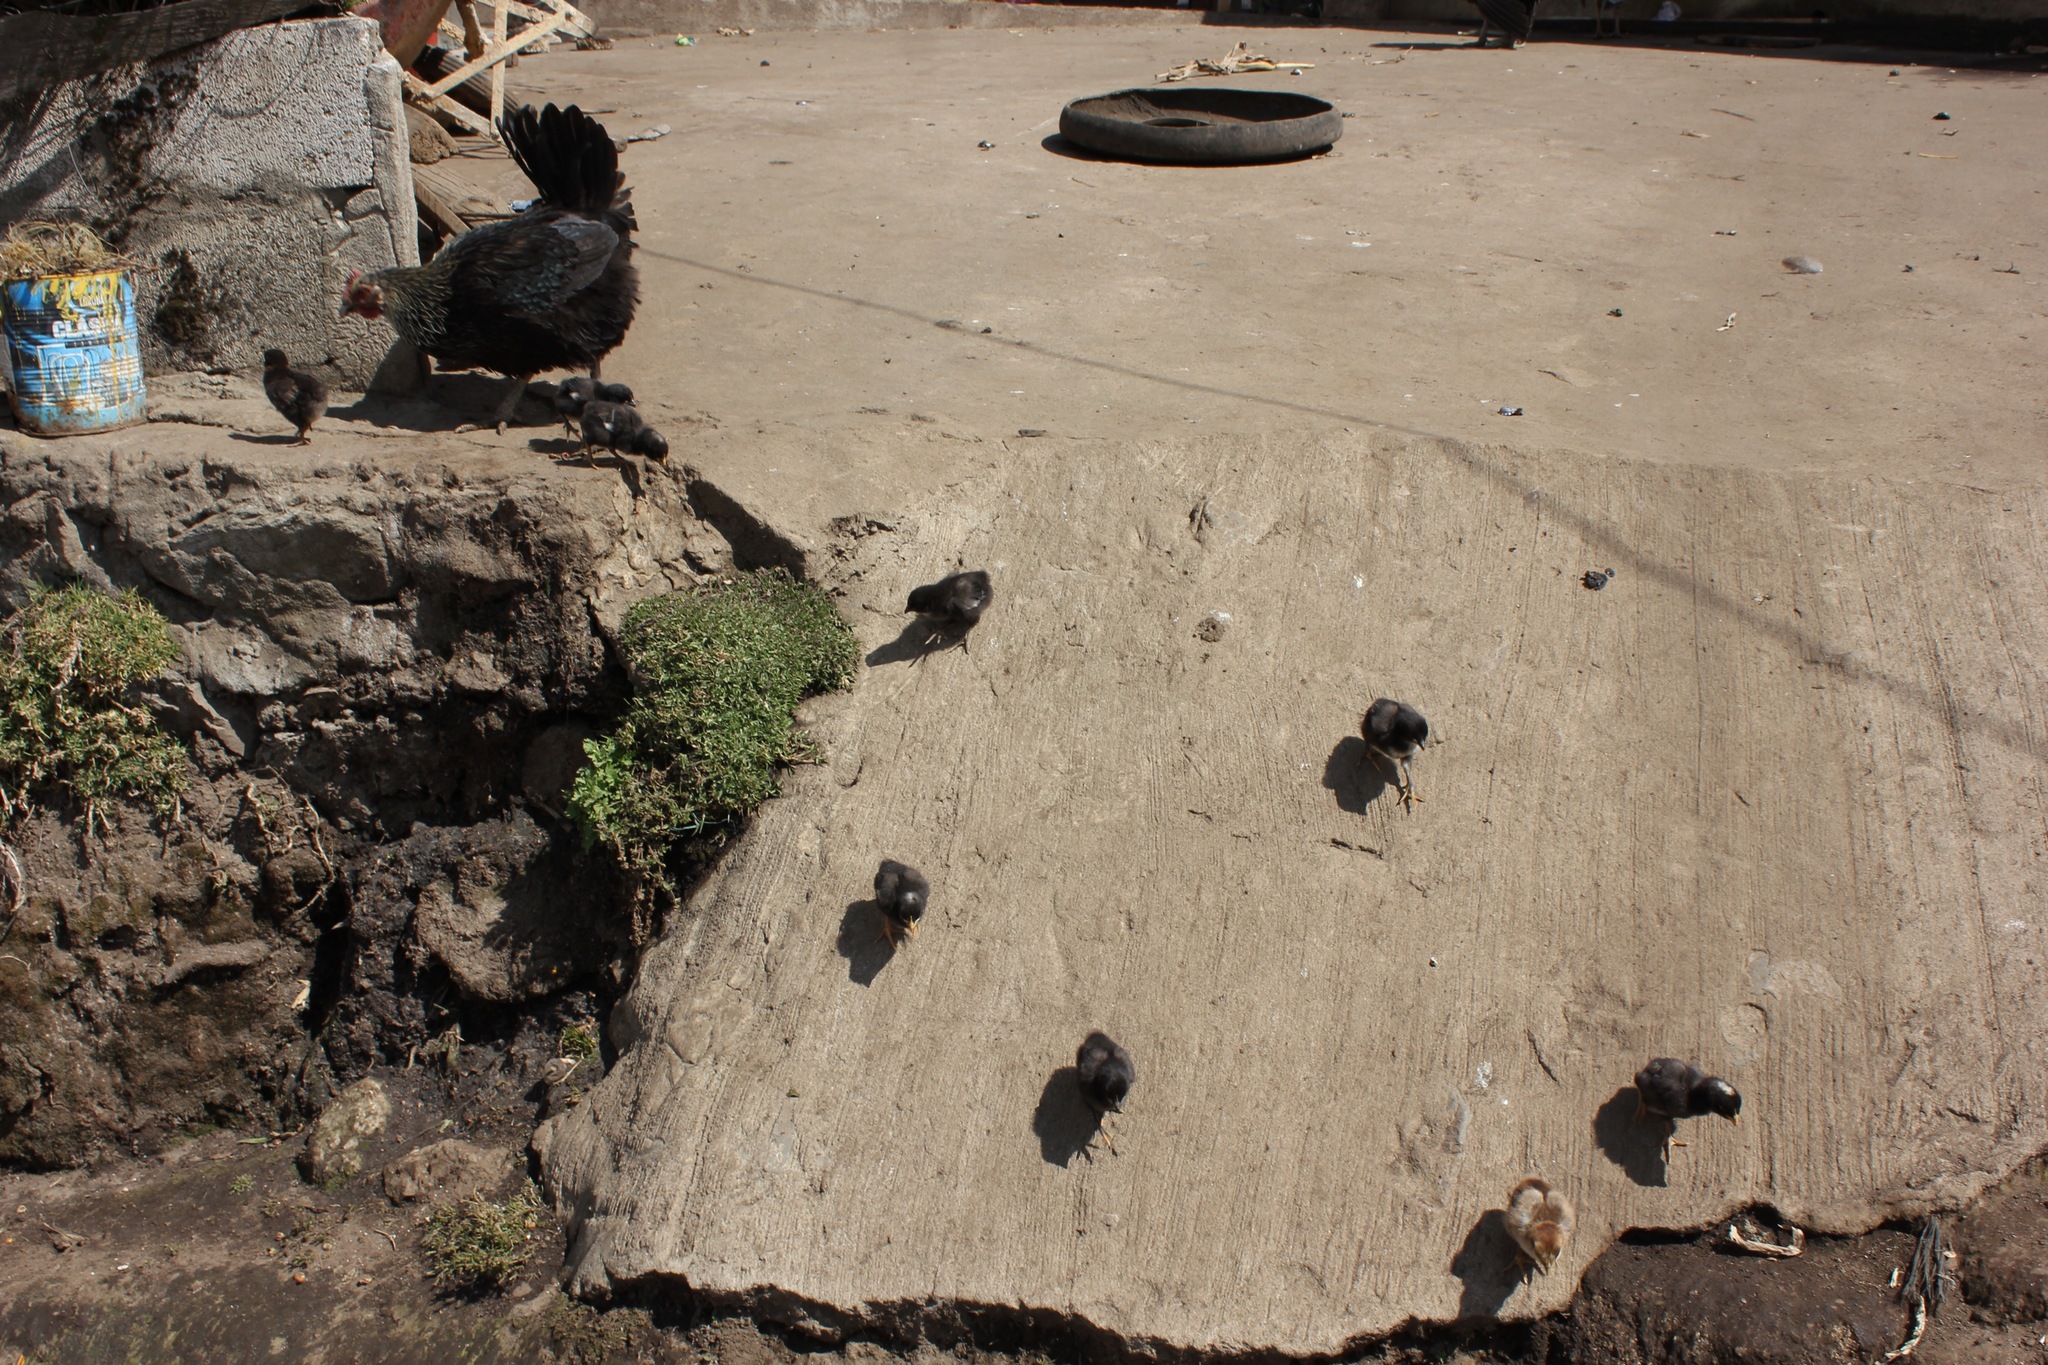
x: 1354, y: 775
x: 863, y: 944
x: 1638, y: 1148
x: 1065, y: 1126
x: 1487, y: 1266
x: 286, y: 438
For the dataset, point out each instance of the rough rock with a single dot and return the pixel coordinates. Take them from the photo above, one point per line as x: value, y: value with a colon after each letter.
x: 333, y: 1150
x: 442, y: 1172
x: 513, y: 915
x: 375, y: 642
x: 1773, y: 810
x: 552, y: 761
x: 384, y: 635
x: 143, y: 986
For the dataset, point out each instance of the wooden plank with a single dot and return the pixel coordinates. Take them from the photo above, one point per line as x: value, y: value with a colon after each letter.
x: 461, y: 113
x: 498, y: 22
x: 494, y: 55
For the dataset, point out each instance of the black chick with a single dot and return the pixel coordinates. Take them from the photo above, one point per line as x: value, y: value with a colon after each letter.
x: 902, y: 892
x: 1395, y: 732
x: 954, y: 603
x: 1670, y: 1089
x: 299, y: 396
x: 1106, y: 1076
x: 614, y: 393
x: 620, y: 427
x: 570, y: 397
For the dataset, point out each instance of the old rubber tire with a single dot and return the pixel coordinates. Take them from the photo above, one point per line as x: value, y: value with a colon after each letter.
x: 1197, y: 125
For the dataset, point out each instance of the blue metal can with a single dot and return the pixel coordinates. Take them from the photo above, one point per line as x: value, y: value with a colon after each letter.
x: 74, y: 352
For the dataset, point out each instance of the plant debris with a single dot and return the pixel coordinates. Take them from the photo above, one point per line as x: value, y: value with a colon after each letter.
x: 34, y: 250
x: 1239, y: 59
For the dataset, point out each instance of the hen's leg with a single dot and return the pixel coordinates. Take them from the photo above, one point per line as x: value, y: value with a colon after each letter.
x: 506, y: 406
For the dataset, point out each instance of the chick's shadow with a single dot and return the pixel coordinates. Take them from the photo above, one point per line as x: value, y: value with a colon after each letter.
x: 916, y: 640
x: 1354, y: 775
x: 1487, y: 1265
x: 1064, y: 1125
x: 1638, y: 1148
x: 863, y: 943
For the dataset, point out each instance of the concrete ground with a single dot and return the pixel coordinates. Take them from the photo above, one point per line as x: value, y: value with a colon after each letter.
x: 1229, y: 442
x: 811, y: 224
x: 1772, y: 799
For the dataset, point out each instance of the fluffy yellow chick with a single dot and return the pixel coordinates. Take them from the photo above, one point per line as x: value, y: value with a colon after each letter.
x: 1540, y: 1220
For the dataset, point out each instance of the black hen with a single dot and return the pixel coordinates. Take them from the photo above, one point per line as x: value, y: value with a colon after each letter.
x: 1514, y: 19
x: 299, y: 397
x: 1395, y: 732
x: 552, y: 289
x: 1105, y: 1074
x: 902, y: 893
x: 954, y: 603
x: 1671, y: 1089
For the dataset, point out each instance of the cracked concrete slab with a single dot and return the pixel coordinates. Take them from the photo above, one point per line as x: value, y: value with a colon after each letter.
x: 1771, y: 799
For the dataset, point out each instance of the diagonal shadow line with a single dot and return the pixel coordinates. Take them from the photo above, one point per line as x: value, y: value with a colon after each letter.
x: 1801, y: 643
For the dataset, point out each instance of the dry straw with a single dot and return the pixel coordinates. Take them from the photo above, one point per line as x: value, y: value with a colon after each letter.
x: 35, y: 250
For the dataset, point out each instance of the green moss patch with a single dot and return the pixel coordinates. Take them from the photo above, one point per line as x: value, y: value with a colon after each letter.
x: 717, y: 674
x: 476, y: 1246
x: 70, y: 662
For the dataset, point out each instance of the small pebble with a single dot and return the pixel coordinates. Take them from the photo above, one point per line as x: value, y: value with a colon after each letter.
x: 1614, y: 312
x: 764, y: 62
x: 985, y: 145
x: 1909, y: 270
x: 1802, y: 265
x: 1510, y: 412
x: 1597, y: 579
x: 1941, y: 116
x: 1031, y: 431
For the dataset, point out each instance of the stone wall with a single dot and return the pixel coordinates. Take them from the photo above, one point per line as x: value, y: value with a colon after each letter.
x: 246, y: 175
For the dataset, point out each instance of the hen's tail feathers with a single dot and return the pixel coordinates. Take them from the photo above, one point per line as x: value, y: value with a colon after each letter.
x: 1516, y: 17
x: 571, y: 160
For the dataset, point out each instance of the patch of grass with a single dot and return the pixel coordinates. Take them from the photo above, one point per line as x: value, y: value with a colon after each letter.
x: 242, y: 1184
x: 579, y: 1043
x: 717, y: 674
x: 70, y: 662
x: 477, y: 1245
x: 583, y: 1335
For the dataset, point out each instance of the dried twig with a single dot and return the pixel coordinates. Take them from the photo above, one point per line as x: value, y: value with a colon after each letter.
x: 1239, y: 59
x: 1927, y: 1279
x: 1905, y: 1348
x: 17, y: 890
x: 62, y: 1240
